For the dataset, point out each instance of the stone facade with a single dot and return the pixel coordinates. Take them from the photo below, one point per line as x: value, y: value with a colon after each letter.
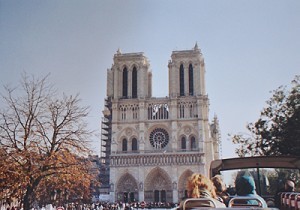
x: 156, y: 143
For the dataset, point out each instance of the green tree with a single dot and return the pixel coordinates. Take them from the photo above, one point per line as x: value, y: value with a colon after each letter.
x: 277, y: 131
x: 41, y: 137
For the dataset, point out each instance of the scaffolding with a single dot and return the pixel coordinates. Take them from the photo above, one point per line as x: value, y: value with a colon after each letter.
x: 106, y: 131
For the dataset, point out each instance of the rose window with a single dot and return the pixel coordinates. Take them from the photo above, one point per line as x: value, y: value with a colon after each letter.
x: 159, y: 138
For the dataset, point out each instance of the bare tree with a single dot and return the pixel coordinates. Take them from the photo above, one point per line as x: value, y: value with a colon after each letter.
x: 41, y: 137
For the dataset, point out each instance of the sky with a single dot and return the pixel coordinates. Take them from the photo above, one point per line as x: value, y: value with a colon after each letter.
x: 250, y: 48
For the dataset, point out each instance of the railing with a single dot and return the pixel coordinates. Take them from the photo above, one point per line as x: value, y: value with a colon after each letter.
x: 247, y: 202
x: 160, y: 109
x: 193, y: 203
x: 151, y: 159
x: 289, y: 201
x: 159, y: 151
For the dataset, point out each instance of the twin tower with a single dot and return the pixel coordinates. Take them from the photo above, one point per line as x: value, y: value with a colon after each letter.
x: 150, y: 146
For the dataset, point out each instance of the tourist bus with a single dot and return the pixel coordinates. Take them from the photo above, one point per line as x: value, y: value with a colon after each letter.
x: 269, y: 173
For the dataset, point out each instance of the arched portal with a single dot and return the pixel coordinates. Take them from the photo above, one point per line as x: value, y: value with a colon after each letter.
x: 182, y: 193
x: 158, y: 186
x: 127, y: 189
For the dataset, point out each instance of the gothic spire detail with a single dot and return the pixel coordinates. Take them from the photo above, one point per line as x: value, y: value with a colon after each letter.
x: 196, y: 46
x: 119, y: 51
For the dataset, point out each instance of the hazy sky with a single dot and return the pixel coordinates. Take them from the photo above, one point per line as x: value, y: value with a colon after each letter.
x: 249, y: 47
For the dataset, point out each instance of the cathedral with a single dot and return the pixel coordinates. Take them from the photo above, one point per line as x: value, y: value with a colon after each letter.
x: 151, y: 145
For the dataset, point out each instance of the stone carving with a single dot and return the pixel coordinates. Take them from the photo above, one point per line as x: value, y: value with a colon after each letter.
x: 187, y: 130
x: 128, y: 131
x: 141, y: 186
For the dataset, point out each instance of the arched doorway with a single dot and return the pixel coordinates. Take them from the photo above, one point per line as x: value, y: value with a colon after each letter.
x: 182, y: 193
x: 158, y: 186
x: 127, y: 189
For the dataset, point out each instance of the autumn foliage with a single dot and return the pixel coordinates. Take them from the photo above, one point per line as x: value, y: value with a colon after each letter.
x: 43, y: 142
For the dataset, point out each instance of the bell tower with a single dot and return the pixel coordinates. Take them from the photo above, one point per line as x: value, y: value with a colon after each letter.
x: 129, y: 77
x: 186, y: 73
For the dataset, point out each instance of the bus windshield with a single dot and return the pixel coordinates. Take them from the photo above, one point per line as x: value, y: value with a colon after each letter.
x: 269, y: 173
x: 268, y: 181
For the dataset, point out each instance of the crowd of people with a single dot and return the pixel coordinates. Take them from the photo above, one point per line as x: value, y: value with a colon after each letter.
x: 133, y: 205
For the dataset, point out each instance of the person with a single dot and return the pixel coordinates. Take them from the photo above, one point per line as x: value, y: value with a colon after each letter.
x: 289, y: 186
x: 199, y: 186
x: 221, y: 189
x: 245, y: 186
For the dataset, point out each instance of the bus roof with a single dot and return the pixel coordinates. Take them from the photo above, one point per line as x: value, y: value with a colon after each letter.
x: 254, y: 162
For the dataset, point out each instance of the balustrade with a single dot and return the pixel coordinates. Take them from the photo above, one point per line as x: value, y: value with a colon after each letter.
x: 147, y: 159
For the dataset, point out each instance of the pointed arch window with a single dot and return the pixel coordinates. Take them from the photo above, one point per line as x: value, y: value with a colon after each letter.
x: 181, y: 80
x: 134, y: 144
x: 134, y: 83
x: 125, y: 83
x: 124, y: 145
x: 183, y: 143
x: 191, y: 80
x: 193, y: 143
